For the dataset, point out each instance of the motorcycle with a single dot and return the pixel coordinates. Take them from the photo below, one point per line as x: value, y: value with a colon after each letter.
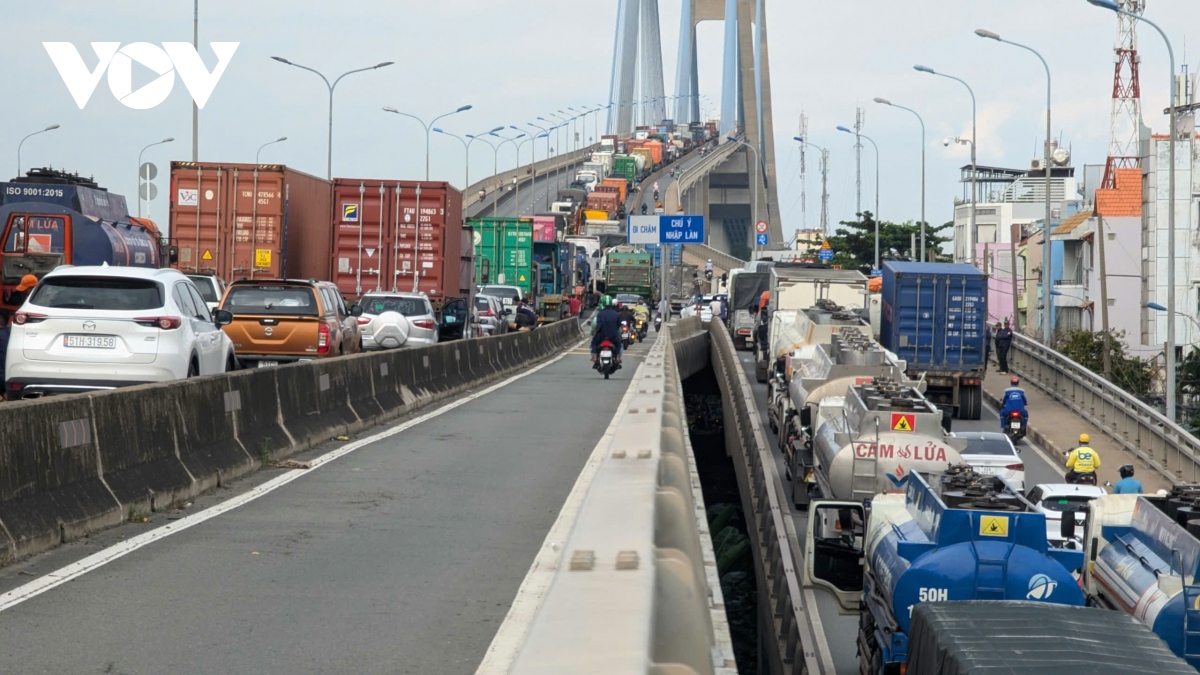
x: 626, y: 335
x: 708, y: 275
x: 640, y: 329
x: 1014, y: 426
x: 607, y: 364
x: 656, y: 195
x: 657, y: 323
x: 1084, y: 479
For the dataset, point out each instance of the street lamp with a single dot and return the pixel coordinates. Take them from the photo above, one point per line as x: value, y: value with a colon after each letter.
x: 495, y: 163
x: 1046, y: 228
x: 466, y: 150
x: 974, y: 167
x: 884, y: 101
x: 860, y: 135
x: 517, y: 196
x: 824, y: 182
x: 545, y: 134
x: 512, y: 140
x: 1109, y: 4
x: 52, y: 127
x: 260, y: 148
x: 329, y: 142
x: 757, y: 178
x: 428, y: 127
x: 147, y: 176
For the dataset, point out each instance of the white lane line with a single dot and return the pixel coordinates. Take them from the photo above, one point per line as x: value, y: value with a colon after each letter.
x: 510, y: 637
x: 97, y: 560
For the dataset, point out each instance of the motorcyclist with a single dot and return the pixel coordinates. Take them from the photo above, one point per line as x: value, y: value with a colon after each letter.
x: 607, y: 326
x: 644, y: 208
x: 625, y: 314
x: 1128, y: 485
x: 708, y: 268
x: 1082, y: 460
x: 1012, y: 400
x: 641, y: 313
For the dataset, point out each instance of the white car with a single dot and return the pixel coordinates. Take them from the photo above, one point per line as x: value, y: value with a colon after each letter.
x: 211, y: 288
x: 991, y: 453
x: 92, y: 328
x: 391, y: 320
x: 1052, y: 499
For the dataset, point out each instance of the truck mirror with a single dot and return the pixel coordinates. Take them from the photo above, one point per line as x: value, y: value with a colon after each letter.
x: 1067, y: 525
x: 805, y: 417
x: 173, y: 254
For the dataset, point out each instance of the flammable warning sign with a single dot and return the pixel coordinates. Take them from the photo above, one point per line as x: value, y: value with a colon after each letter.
x: 903, y: 421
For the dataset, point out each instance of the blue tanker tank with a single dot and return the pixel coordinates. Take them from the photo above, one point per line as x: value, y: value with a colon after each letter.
x: 958, y: 536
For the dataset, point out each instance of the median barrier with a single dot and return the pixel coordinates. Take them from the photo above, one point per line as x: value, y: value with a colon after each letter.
x: 71, y: 465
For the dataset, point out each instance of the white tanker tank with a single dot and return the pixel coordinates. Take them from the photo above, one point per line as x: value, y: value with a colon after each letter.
x: 867, y: 441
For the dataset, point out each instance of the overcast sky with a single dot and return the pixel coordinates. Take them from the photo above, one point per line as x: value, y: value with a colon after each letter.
x: 517, y: 60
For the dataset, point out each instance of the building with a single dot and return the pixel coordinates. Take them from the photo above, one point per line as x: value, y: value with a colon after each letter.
x: 808, y: 241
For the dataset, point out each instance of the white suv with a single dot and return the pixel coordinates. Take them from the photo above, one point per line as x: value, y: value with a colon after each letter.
x: 89, y: 328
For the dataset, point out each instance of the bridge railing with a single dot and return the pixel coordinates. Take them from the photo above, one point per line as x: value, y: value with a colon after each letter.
x: 1139, y: 428
x: 706, y: 165
x: 566, y: 160
x: 704, y: 253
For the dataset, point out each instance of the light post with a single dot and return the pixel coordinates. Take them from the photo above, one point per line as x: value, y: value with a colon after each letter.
x: 52, y: 127
x: 516, y: 180
x: 512, y: 140
x: 517, y: 196
x: 329, y: 141
x: 140, y: 176
x: 545, y: 133
x: 884, y: 101
x: 824, y: 183
x: 260, y: 148
x: 1109, y: 4
x: 971, y: 237
x: 428, y: 127
x: 757, y: 178
x: 466, y: 150
x: 872, y: 142
x: 1046, y: 166
x: 495, y: 163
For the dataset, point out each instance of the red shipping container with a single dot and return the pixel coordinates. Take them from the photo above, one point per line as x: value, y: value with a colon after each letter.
x: 246, y: 221
x: 543, y: 228
x: 398, y: 236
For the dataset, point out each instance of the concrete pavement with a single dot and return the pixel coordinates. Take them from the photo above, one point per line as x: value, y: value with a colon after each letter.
x: 402, y: 557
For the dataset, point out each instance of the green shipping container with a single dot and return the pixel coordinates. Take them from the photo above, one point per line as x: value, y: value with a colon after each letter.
x: 504, y: 252
x: 624, y: 165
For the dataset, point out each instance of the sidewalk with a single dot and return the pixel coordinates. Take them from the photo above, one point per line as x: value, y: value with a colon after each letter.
x: 1056, y: 428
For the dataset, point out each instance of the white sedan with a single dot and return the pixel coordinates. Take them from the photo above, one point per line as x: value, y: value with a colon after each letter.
x: 991, y: 453
x: 1053, y: 499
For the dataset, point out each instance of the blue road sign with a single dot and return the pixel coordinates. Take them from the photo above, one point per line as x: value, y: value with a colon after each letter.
x: 681, y: 230
x: 825, y: 254
x: 762, y: 240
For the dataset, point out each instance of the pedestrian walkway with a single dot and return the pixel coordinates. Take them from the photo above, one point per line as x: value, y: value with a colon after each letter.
x: 1056, y: 428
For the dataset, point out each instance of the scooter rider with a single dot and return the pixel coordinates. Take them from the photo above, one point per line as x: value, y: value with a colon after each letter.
x: 625, y: 314
x: 1013, y: 400
x: 607, y: 327
x: 1082, y: 460
x: 1128, y: 485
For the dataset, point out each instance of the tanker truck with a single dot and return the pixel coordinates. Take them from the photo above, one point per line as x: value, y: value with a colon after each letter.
x: 1144, y: 559
x: 949, y: 536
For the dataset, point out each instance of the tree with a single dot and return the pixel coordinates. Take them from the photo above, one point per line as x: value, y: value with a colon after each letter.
x: 1086, y: 348
x: 854, y: 243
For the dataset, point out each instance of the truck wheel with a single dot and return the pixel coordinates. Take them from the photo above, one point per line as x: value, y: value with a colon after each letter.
x: 970, y: 405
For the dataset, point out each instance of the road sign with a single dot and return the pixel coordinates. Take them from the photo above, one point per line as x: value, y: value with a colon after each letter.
x: 147, y: 192
x: 681, y: 229
x: 762, y: 239
x: 825, y: 254
x: 825, y: 246
x: 643, y: 229
x: 761, y: 226
x: 148, y: 171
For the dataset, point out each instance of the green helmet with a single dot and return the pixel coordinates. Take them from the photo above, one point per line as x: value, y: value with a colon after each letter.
x: 606, y: 301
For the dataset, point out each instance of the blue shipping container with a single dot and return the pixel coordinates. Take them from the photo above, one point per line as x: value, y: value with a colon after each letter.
x: 934, y: 315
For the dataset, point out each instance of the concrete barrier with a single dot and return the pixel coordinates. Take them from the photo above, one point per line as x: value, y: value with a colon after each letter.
x: 74, y: 464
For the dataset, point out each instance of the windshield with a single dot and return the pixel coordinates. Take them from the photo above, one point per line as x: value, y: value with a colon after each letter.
x: 110, y: 293
x: 988, y: 446
x: 271, y: 300
x: 207, y: 290
x: 628, y: 298
x: 378, y: 304
x: 1064, y: 503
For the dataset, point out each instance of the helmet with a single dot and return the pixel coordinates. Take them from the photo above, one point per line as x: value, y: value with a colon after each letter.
x: 1084, y: 438
x: 606, y: 301
x: 1015, y: 380
x: 710, y: 260
x: 1126, y: 471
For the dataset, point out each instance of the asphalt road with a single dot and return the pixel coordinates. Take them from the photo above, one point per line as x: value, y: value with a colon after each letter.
x: 840, y: 630
x: 530, y: 201
x: 401, y: 557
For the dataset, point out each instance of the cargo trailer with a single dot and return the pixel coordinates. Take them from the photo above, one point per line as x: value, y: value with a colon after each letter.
x: 504, y: 253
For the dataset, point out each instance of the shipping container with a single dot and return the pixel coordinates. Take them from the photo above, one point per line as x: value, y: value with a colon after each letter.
x: 626, y: 166
x: 504, y: 252
x: 656, y: 151
x: 647, y: 156
x: 247, y: 221
x: 618, y: 183
x: 608, y: 203
x: 544, y: 228
x: 395, y: 235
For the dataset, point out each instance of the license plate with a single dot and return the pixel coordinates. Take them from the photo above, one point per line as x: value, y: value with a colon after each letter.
x: 267, y: 364
x: 987, y: 470
x: 1016, y: 425
x: 92, y: 341
x: 606, y: 354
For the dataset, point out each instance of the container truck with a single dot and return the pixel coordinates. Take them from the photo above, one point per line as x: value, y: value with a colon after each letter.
x: 796, y: 287
x: 629, y: 270
x: 934, y: 315
x: 618, y: 183
x: 555, y: 270
x: 608, y: 202
x: 625, y: 166
x: 504, y: 253
x: 948, y: 537
x: 745, y: 291
x: 1143, y: 558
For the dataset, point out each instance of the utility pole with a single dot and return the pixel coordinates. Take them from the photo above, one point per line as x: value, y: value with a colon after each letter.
x: 1103, y: 297
x: 195, y: 108
x: 825, y: 192
x: 858, y: 124
x: 803, y: 191
x: 1014, y: 234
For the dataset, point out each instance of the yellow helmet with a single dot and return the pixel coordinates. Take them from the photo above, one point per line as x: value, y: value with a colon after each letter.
x: 1084, y: 438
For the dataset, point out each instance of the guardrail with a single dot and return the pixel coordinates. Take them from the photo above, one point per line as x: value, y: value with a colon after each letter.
x: 706, y: 165
x: 704, y: 252
x: 1140, y: 429
x: 471, y: 194
x: 626, y: 581
x: 793, y: 648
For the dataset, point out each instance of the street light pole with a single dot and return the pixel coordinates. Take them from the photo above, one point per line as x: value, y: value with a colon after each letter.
x: 754, y: 193
x: 147, y: 176
x: 884, y: 101
x: 428, y: 127
x: 546, y: 133
x: 872, y: 142
x: 329, y: 141
x: 972, y: 236
x: 1170, y: 393
x: 1046, y: 327
x: 52, y: 127
x: 824, y: 183
x: 260, y: 148
x: 495, y: 165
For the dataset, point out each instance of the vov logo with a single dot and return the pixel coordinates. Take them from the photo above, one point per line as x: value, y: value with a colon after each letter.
x: 118, y: 61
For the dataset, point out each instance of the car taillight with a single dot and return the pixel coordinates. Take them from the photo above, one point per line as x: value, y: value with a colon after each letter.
x: 1015, y: 467
x: 323, y: 336
x: 427, y: 324
x: 487, y: 312
x: 22, y: 318
x: 743, y: 331
x: 163, y: 322
x: 362, y: 321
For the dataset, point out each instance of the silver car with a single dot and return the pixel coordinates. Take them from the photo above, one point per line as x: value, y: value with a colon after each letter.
x: 491, y: 314
x: 392, y: 320
x: 211, y: 288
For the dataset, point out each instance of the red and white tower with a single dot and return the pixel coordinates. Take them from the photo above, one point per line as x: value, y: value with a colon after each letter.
x: 1123, y: 150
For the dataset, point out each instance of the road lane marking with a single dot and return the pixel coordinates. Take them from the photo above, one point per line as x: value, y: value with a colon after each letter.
x: 101, y: 558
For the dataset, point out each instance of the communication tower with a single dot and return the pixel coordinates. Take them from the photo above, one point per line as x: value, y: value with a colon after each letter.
x: 1126, y: 119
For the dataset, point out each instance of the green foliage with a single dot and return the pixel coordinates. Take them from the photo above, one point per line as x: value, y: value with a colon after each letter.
x: 854, y: 243
x: 1130, y: 373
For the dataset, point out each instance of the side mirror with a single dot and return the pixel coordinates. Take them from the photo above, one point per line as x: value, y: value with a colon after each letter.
x: 1067, y: 525
x: 356, y: 310
x: 173, y: 254
x: 222, y: 317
